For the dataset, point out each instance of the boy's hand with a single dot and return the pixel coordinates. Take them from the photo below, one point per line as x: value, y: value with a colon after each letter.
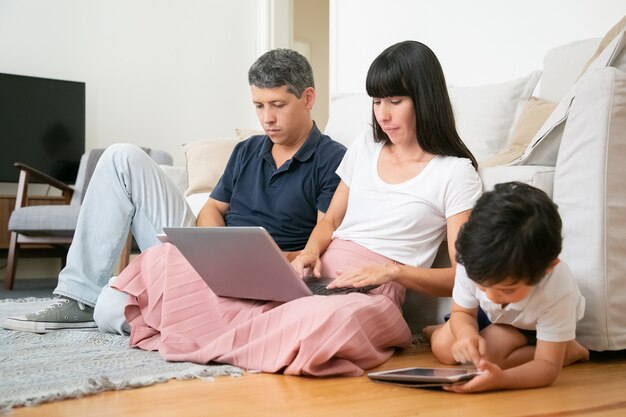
x: 469, y: 349
x: 491, y: 379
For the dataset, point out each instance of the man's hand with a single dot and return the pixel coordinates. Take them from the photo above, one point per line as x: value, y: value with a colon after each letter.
x: 307, y: 261
x: 291, y: 255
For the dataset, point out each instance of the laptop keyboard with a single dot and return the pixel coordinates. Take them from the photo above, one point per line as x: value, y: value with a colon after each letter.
x: 319, y: 288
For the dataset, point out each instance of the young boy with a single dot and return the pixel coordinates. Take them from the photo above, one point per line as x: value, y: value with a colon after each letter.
x: 515, y: 304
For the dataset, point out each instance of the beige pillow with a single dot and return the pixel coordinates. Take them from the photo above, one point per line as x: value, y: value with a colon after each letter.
x: 206, y: 160
x: 533, y: 116
x: 243, y: 134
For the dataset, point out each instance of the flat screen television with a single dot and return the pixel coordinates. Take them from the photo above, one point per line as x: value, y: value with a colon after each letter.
x: 42, y: 124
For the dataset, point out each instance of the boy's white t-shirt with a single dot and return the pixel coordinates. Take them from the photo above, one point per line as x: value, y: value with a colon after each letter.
x: 552, y: 307
x: 405, y: 222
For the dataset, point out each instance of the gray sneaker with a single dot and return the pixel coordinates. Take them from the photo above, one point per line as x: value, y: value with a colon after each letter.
x: 62, y: 313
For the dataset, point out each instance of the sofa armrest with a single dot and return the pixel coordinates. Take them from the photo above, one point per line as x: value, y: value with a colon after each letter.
x: 538, y: 176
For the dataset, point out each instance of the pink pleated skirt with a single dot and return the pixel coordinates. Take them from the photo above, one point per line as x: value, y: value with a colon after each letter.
x: 173, y: 311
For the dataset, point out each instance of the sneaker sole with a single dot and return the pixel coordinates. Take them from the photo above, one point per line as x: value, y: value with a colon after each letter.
x: 45, y: 327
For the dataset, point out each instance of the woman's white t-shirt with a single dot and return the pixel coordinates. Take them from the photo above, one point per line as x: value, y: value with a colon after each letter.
x: 405, y: 222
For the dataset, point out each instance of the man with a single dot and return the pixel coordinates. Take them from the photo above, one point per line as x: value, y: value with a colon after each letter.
x: 283, y: 181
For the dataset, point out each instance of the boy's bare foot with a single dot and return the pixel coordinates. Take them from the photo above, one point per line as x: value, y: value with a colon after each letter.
x: 575, y: 352
x: 429, y: 330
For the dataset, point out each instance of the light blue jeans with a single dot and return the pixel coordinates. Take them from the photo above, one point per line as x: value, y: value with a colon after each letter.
x: 128, y: 191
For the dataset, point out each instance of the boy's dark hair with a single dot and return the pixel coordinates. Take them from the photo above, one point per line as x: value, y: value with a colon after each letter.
x: 280, y: 67
x: 513, y: 232
x: 411, y: 69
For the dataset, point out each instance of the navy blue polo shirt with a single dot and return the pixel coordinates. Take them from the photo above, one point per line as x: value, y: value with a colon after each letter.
x: 283, y: 200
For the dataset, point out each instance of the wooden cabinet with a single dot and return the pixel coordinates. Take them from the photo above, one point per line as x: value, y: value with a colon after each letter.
x: 7, y: 204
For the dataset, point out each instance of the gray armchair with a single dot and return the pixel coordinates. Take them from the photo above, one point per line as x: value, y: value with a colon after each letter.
x: 54, y: 225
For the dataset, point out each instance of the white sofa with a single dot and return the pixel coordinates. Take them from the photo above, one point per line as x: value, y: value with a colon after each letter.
x: 577, y: 155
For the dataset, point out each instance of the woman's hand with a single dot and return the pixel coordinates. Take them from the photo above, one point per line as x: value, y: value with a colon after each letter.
x: 368, y: 275
x: 491, y: 379
x: 305, y: 262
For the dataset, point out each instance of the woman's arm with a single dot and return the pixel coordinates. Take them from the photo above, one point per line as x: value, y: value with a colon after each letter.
x: 430, y: 281
x: 321, y: 235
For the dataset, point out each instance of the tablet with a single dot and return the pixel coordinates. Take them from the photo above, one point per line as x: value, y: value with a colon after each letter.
x: 425, y: 375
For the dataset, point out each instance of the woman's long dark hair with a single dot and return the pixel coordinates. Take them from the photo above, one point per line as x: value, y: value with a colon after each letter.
x: 411, y: 69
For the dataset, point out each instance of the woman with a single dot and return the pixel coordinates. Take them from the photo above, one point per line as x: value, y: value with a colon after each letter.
x: 402, y: 192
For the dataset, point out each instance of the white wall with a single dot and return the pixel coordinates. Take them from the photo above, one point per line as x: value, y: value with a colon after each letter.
x: 158, y: 73
x: 477, y: 42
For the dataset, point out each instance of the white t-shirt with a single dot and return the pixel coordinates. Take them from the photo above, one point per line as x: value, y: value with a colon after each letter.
x: 405, y: 222
x: 552, y: 307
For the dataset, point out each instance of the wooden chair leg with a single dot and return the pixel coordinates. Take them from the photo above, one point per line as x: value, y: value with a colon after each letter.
x: 125, y: 256
x: 9, y: 277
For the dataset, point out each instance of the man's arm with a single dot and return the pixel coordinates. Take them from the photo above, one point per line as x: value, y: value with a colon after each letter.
x: 322, y: 233
x: 213, y: 213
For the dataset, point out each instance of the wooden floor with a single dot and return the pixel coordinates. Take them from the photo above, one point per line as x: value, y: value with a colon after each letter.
x: 595, y: 388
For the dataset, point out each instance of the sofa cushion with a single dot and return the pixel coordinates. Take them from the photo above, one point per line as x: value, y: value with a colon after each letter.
x: 206, y: 160
x: 533, y: 116
x: 544, y: 147
x: 485, y: 114
x: 608, y: 38
x: 196, y: 201
x: 178, y: 175
x: 562, y: 66
x: 590, y: 190
x: 541, y: 177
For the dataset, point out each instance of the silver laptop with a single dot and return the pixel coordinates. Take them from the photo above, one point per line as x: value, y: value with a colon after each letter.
x: 245, y: 262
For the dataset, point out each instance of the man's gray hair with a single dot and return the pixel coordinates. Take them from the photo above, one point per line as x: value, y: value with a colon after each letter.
x: 280, y: 67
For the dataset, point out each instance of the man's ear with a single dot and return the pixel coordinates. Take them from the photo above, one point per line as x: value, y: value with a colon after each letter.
x: 309, y: 96
x: 554, y: 263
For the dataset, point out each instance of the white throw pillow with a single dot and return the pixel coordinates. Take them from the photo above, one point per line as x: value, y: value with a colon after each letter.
x: 486, y: 114
x: 350, y: 114
x: 196, y: 201
x: 562, y: 67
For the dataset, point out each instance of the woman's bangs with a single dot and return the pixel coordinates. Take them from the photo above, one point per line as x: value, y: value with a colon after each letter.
x: 385, y: 80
